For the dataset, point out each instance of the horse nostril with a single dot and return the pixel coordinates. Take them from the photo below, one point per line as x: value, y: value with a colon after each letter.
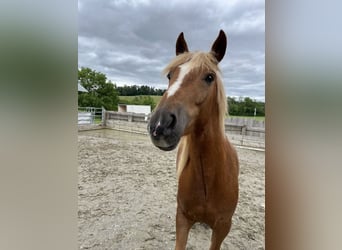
x: 165, y: 125
x: 173, y: 121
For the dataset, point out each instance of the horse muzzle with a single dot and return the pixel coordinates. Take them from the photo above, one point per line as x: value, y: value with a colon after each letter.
x: 166, y: 127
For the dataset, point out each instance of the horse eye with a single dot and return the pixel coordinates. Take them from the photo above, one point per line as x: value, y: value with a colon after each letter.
x: 168, y: 76
x: 209, y: 78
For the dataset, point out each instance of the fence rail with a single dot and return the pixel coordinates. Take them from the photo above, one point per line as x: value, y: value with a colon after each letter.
x: 241, y: 131
x: 130, y: 117
x: 90, y: 116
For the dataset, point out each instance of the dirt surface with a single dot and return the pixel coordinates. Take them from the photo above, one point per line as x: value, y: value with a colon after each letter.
x: 127, y: 196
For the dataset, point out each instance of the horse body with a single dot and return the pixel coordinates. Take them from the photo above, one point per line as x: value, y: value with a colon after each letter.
x: 191, y: 113
x: 208, y: 187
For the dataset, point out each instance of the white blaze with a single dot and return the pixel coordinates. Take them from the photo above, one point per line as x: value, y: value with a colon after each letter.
x: 184, y: 70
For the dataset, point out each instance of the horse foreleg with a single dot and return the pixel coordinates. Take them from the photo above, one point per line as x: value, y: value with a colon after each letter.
x: 220, y: 232
x: 183, y: 226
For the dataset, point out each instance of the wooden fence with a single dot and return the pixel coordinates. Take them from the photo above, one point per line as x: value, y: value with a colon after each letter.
x: 130, y: 117
x: 241, y: 131
x: 246, y: 132
x: 236, y: 125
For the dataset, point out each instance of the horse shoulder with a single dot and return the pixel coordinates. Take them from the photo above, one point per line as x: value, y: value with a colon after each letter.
x: 232, y: 155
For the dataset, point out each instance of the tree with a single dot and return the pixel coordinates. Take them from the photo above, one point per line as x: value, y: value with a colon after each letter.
x: 233, y: 106
x: 245, y: 107
x: 135, y: 90
x: 101, y: 93
x: 249, y: 106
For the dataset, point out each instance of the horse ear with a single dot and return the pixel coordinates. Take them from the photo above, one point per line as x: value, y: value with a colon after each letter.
x: 181, y: 45
x: 219, y: 46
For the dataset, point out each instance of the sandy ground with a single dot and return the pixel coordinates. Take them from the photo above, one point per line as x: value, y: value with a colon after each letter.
x: 127, y: 196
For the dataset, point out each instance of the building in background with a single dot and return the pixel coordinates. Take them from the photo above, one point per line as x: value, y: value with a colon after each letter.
x: 138, y: 109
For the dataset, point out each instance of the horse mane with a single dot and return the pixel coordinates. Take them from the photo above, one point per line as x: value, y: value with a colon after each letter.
x: 183, y: 155
x: 202, y: 61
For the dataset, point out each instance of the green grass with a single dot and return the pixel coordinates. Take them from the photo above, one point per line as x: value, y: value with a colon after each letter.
x: 258, y: 118
x: 97, y: 120
x: 155, y: 98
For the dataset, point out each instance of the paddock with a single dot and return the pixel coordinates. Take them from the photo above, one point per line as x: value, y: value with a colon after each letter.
x: 127, y: 196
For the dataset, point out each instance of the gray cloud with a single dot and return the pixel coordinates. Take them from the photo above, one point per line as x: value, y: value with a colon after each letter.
x: 131, y: 41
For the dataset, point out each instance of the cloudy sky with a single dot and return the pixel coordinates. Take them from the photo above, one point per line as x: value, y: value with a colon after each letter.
x: 131, y: 41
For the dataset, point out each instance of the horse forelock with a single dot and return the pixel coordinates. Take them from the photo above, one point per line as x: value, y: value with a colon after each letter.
x: 196, y: 60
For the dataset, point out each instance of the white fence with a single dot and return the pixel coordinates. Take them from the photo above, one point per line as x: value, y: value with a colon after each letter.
x: 90, y: 116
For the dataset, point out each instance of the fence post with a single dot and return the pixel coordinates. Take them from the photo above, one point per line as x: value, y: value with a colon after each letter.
x: 244, y: 130
x: 103, y: 117
x: 130, y: 117
x: 92, y: 115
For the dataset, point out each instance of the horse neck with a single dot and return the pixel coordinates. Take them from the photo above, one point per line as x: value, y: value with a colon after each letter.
x: 205, y: 145
x: 208, y: 127
x: 207, y: 154
x: 207, y: 138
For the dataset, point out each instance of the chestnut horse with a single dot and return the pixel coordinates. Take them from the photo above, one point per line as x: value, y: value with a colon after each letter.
x: 191, y: 113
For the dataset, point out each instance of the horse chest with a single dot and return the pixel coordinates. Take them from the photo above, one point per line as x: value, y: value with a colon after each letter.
x: 199, y: 199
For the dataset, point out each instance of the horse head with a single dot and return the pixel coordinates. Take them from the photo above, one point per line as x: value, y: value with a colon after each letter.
x: 195, y: 91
